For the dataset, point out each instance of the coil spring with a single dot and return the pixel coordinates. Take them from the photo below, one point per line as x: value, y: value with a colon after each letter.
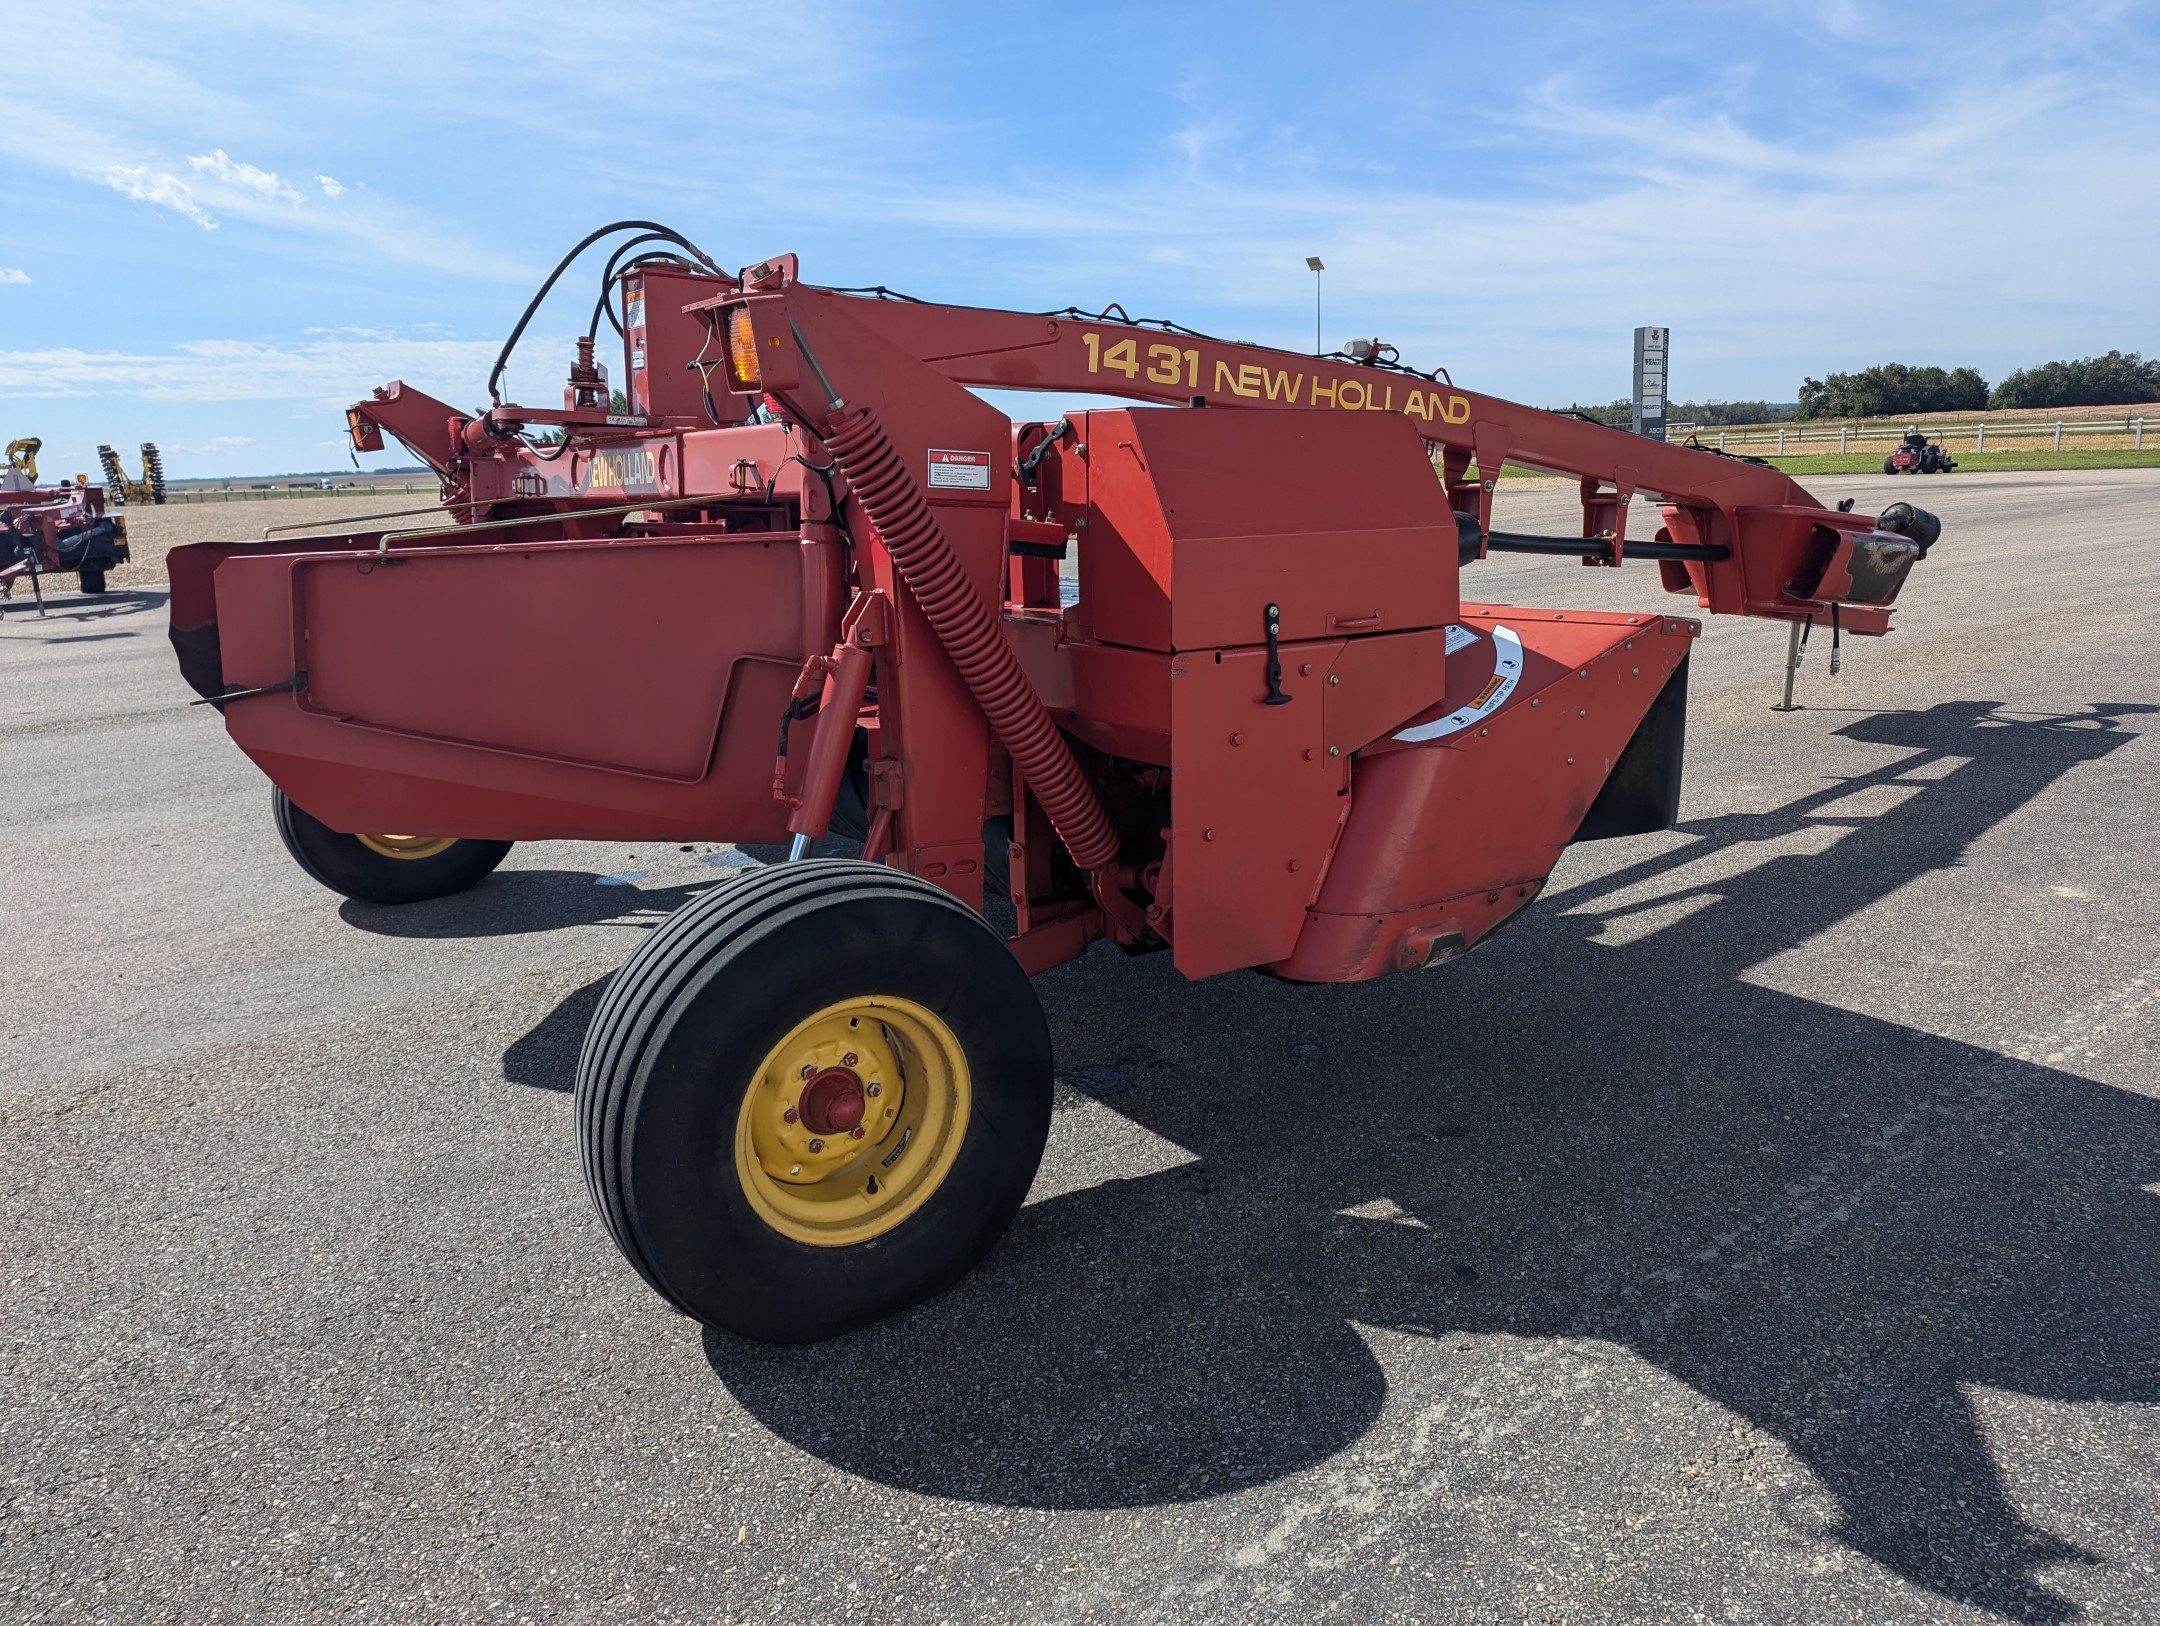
x: 970, y: 635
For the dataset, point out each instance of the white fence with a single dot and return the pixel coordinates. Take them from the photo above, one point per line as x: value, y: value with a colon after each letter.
x: 1844, y: 435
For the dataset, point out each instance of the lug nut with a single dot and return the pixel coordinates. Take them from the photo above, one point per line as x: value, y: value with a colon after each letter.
x: 808, y: 1071
x: 873, y: 1089
x: 848, y: 1060
x: 792, y: 1115
x: 816, y: 1147
x: 855, y: 1133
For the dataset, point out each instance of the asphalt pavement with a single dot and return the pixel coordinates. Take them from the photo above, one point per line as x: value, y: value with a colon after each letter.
x: 1767, y: 1228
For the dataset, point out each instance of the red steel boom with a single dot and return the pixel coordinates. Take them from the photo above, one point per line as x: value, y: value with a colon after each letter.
x: 666, y: 494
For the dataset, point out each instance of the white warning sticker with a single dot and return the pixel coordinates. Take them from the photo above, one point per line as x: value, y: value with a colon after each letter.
x: 1507, y: 672
x: 1459, y: 638
x: 959, y: 471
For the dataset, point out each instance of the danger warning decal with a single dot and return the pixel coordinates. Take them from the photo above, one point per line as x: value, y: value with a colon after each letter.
x: 959, y: 471
x: 1507, y: 672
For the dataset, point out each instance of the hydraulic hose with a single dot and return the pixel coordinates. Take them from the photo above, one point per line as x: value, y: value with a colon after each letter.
x: 971, y: 635
x: 655, y: 232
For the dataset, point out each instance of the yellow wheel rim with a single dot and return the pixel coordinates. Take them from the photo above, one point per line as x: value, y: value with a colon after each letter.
x: 407, y: 847
x: 853, y: 1121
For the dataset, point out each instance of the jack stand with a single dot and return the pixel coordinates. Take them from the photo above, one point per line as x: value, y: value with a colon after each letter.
x: 37, y: 585
x: 1793, y: 646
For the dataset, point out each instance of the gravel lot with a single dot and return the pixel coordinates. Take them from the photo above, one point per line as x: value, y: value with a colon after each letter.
x: 1768, y: 1228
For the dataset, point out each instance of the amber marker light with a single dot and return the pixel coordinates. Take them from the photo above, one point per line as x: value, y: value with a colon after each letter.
x: 366, y: 433
x: 742, y: 349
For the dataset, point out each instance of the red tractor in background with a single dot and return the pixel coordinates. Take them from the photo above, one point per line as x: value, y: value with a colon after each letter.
x: 1269, y: 732
x: 1916, y: 454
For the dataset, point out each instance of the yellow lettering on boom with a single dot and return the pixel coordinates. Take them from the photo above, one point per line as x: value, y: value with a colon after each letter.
x: 624, y: 469
x: 1252, y: 382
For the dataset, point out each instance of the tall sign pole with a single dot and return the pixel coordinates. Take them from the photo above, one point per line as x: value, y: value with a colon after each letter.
x: 1650, y: 347
x: 1313, y: 261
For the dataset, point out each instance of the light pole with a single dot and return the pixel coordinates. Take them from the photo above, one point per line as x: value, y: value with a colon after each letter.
x: 1313, y: 260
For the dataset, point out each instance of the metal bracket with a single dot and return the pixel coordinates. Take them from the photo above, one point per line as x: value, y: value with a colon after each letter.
x: 292, y: 685
x: 1275, y: 695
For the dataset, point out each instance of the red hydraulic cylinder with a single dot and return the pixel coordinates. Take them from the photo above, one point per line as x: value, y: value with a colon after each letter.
x: 847, y: 676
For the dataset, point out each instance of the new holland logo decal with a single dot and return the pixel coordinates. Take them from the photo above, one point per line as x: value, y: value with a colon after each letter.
x: 626, y: 470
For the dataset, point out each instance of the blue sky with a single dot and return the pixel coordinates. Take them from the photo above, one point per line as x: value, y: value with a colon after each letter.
x: 225, y: 221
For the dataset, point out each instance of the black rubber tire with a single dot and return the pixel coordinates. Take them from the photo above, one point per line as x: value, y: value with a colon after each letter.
x: 677, y: 1041
x: 345, y: 865
x: 1889, y: 465
x: 93, y: 581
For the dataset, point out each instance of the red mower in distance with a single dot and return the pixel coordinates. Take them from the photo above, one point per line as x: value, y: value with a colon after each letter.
x: 50, y: 530
x: 1202, y: 676
x: 1916, y: 454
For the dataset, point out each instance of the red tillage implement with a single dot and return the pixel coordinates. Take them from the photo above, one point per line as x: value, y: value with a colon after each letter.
x: 1268, y: 733
x: 45, y: 530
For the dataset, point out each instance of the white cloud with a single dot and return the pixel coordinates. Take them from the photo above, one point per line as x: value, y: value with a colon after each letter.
x: 264, y: 183
x: 146, y: 185
x: 326, y: 372
x: 13, y: 274
x: 219, y: 443
x: 1514, y: 230
x: 1766, y: 242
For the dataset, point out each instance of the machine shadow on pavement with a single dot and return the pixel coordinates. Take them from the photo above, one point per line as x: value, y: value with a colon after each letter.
x: 513, y: 902
x: 544, y: 1056
x: 1827, y: 1223
x: 65, y: 608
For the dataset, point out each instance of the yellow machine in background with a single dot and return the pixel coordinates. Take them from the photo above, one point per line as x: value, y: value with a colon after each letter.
x: 22, y: 463
x: 120, y: 490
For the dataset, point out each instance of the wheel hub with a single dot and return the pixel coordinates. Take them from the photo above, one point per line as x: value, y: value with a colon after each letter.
x: 407, y: 848
x: 832, y: 1102
x: 853, y: 1120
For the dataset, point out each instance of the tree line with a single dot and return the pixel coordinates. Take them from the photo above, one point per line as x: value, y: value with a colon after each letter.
x: 1894, y: 389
